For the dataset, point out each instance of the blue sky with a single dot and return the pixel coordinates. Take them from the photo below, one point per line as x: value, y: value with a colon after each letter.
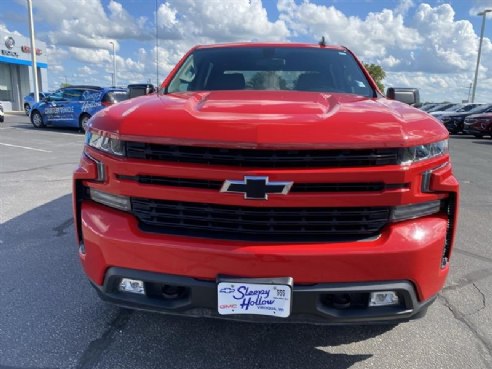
x: 431, y: 45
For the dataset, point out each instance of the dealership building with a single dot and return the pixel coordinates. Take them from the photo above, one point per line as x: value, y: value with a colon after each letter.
x: 16, y: 77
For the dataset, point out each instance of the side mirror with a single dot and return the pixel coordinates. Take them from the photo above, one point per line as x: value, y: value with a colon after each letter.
x: 409, y: 96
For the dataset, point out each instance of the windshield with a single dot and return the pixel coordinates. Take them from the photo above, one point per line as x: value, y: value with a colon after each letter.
x: 481, y: 109
x: 467, y: 108
x: 454, y: 107
x: 271, y: 68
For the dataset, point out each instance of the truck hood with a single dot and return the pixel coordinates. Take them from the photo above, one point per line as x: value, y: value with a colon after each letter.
x: 269, y: 119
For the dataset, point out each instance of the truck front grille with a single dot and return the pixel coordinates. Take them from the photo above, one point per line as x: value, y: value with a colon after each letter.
x: 259, y: 223
x: 263, y: 158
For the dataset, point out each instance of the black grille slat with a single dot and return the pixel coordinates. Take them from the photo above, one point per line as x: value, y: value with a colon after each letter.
x: 297, y: 187
x: 259, y: 224
x: 183, y: 217
x: 262, y: 158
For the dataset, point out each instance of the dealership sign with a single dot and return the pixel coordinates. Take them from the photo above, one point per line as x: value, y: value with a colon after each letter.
x: 9, y: 44
x: 17, y: 48
x: 27, y: 50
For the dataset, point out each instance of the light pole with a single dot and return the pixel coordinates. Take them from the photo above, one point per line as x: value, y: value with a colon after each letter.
x: 156, y: 44
x: 484, y: 15
x: 114, y: 65
x: 33, y: 52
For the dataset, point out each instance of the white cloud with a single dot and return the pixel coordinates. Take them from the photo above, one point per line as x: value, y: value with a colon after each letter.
x: 220, y: 21
x: 92, y: 56
x: 86, y: 70
x: 371, y: 37
x: 4, y: 29
x: 480, y: 6
x: 90, y: 26
x: 404, y: 7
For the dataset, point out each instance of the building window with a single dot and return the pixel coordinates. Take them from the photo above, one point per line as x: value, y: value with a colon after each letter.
x: 5, y: 83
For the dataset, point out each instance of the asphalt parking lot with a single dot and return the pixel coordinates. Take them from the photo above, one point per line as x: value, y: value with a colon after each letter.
x: 50, y: 317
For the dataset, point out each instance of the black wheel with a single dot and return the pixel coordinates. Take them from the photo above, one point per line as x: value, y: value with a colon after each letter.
x: 27, y: 109
x: 84, y: 118
x: 478, y: 136
x: 37, y: 119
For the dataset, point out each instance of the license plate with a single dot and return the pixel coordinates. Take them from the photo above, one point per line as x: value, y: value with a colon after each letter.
x: 254, y: 298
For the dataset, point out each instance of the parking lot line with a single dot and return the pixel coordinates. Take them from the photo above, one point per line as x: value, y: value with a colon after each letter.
x: 24, y: 147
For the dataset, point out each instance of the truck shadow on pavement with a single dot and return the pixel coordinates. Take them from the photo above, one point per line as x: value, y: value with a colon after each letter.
x: 30, y: 127
x: 54, y: 319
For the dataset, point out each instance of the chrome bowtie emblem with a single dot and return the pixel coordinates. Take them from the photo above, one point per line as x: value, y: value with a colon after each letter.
x: 256, y: 188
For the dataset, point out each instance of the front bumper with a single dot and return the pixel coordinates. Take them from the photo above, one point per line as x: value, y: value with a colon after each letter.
x: 310, y: 304
x: 410, y: 250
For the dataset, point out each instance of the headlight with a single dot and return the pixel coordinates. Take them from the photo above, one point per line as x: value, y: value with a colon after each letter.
x: 414, y: 154
x: 105, y: 143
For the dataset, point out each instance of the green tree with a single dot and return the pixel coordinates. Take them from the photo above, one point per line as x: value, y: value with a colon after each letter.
x: 377, y: 73
x: 64, y: 84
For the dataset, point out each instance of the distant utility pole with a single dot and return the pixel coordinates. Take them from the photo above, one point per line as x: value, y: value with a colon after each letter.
x: 156, y: 43
x: 33, y: 52
x: 484, y: 15
x: 114, y: 65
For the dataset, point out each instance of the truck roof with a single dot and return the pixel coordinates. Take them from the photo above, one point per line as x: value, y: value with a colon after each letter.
x: 270, y: 44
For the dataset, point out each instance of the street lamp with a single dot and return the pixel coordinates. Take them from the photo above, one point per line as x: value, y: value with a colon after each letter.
x: 33, y: 52
x: 484, y: 15
x: 114, y: 65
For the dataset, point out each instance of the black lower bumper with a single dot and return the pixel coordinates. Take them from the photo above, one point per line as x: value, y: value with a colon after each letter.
x: 317, y: 304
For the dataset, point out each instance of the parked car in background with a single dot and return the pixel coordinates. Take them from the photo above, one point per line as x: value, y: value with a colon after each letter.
x: 458, y: 108
x: 454, y: 122
x: 29, y: 100
x: 447, y: 107
x: 428, y: 106
x: 442, y: 106
x: 73, y: 106
x: 1, y: 113
x: 140, y: 89
x: 478, y: 125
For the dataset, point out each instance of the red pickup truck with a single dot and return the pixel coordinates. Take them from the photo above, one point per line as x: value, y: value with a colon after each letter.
x: 267, y: 182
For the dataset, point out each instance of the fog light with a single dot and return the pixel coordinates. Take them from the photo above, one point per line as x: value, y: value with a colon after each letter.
x: 383, y: 298
x: 132, y: 286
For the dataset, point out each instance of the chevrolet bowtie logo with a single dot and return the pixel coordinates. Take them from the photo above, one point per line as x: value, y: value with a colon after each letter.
x: 256, y: 188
